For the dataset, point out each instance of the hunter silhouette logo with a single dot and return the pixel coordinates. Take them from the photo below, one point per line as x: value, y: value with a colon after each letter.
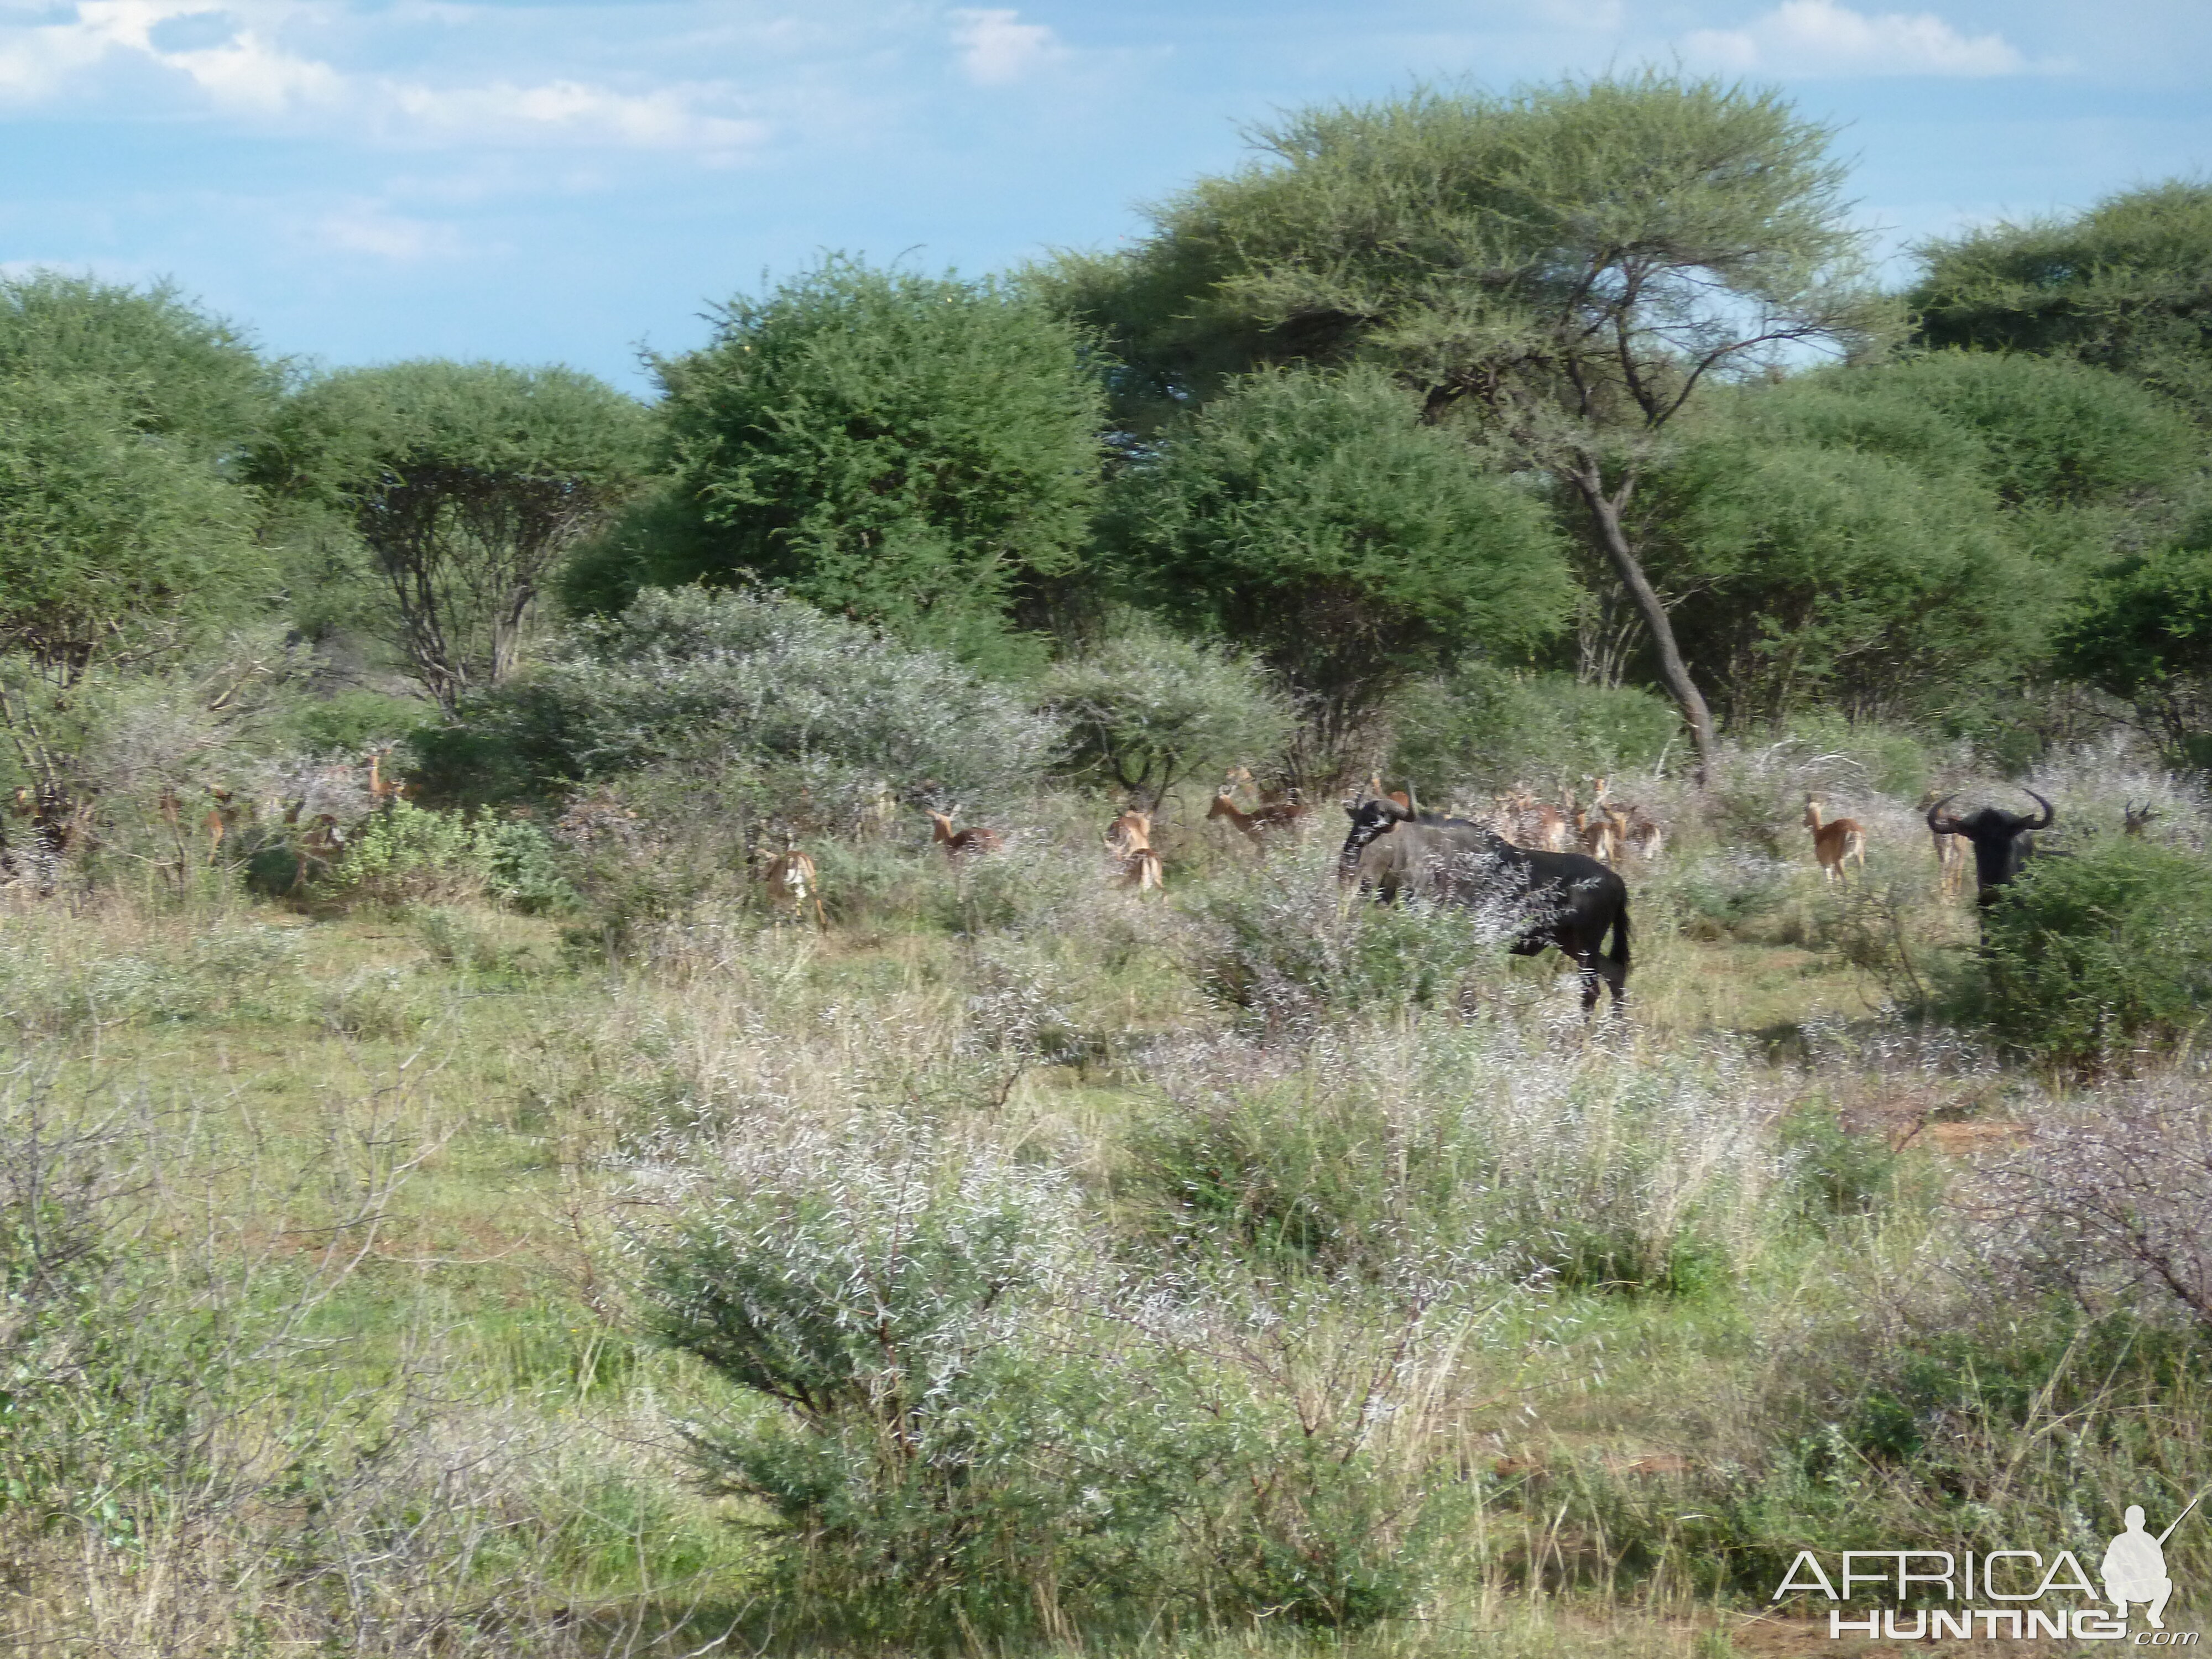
x: 2134, y: 1568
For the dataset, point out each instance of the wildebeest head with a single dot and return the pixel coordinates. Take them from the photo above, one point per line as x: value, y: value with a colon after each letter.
x: 1994, y: 836
x: 1372, y: 818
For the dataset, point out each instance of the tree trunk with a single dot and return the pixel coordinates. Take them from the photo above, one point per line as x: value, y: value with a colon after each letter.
x: 1605, y: 513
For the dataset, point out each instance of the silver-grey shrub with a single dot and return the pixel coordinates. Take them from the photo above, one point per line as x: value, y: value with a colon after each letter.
x: 2108, y: 1199
x: 962, y: 1419
x: 820, y: 710
x: 1489, y: 1142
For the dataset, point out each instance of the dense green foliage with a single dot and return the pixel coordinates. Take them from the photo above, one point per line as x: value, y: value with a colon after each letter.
x: 2126, y: 286
x: 117, y: 411
x: 918, y: 453
x: 179, y: 374
x: 2095, y: 956
x: 1556, y: 273
x: 1885, y: 538
x: 1146, y: 712
x: 1829, y: 575
x: 1313, y: 518
x: 467, y: 482
x: 2145, y: 633
x: 1483, y: 729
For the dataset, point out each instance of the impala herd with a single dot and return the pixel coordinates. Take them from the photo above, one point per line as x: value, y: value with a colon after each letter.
x: 1547, y: 875
x: 1553, y: 866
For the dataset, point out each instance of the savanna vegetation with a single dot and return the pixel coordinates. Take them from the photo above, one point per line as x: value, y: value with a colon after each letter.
x: 518, y: 1137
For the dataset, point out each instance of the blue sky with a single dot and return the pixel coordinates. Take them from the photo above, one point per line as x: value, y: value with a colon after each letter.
x: 364, y: 180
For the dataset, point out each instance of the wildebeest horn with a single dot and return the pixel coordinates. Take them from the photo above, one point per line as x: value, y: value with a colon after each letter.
x: 1938, y: 807
x: 2049, y: 813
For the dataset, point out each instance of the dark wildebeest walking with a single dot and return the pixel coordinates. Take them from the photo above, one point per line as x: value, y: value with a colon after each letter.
x: 1566, y: 899
x: 1995, y: 836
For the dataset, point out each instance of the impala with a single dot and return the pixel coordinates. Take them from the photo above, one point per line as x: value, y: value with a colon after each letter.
x: 1257, y: 825
x: 1129, y: 849
x: 1835, y: 843
x: 963, y: 843
x: 1950, y: 850
x: 789, y: 883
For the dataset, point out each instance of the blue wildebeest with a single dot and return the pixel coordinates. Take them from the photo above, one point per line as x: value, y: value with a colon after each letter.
x: 1564, y: 899
x: 1996, y: 836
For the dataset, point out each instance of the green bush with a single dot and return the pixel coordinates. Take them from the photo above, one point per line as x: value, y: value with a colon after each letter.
x: 1837, y: 1174
x: 222, y: 972
x: 1320, y: 519
x: 351, y: 721
x: 1475, y: 1145
x: 2101, y: 955
x: 103, y: 1379
x: 1485, y: 729
x: 1146, y: 712
x: 921, y: 453
x: 405, y: 853
x: 875, y: 1302
x: 1735, y: 894
x: 959, y: 1428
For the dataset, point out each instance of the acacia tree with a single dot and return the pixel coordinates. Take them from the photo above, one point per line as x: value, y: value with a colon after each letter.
x: 120, y: 529
x: 1559, y: 273
x: 2146, y: 633
x: 467, y: 482
x: 2126, y: 286
x: 119, y: 410
x: 1312, y: 517
x: 1880, y: 536
x: 918, y: 453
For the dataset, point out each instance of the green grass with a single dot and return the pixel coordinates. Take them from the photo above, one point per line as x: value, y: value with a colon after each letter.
x: 407, y: 1144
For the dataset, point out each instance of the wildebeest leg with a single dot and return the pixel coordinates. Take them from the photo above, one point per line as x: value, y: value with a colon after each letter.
x: 1616, y: 978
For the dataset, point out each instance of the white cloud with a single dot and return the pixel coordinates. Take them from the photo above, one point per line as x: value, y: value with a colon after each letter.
x: 997, y: 48
x: 1813, y: 38
x: 245, y: 69
x: 666, y: 118
x: 365, y: 228
x: 249, y: 74
x: 236, y: 64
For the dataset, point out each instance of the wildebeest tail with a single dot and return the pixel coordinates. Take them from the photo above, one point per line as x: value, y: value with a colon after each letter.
x: 1619, y: 954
